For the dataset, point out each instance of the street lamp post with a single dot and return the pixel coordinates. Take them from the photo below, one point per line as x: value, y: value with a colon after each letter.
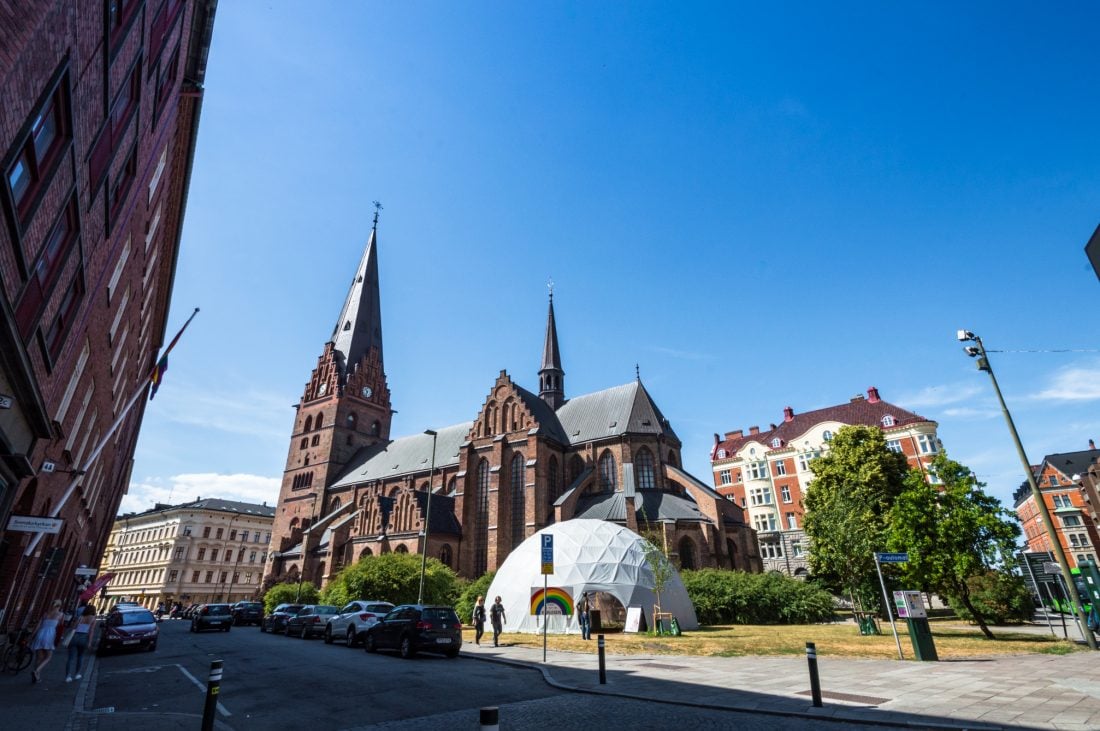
x: 978, y: 351
x: 427, y: 521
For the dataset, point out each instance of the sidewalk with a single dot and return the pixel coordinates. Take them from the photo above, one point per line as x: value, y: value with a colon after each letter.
x: 1017, y: 691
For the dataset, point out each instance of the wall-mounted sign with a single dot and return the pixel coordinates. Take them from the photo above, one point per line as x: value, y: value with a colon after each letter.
x: 5, y: 401
x: 35, y: 524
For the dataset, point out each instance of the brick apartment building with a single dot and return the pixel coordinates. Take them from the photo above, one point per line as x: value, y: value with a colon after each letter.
x: 101, y: 103
x: 525, y: 461
x: 767, y: 472
x: 1060, y: 478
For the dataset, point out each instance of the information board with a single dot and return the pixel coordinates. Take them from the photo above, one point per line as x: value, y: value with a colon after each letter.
x: 633, y: 619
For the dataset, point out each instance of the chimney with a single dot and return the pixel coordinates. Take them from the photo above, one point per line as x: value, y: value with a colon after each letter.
x: 788, y: 414
x: 772, y: 426
x: 1092, y: 444
x: 872, y: 395
x: 735, y: 434
x: 716, y: 440
x: 856, y: 399
x: 754, y: 430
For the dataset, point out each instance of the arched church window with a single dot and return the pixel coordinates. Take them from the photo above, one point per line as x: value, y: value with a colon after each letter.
x: 607, y: 472
x: 375, y: 427
x: 309, y: 423
x: 335, y: 505
x: 445, y: 555
x: 643, y: 469
x: 320, y: 420
x: 576, y: 467
x: 481, y: 520
x: 304, y: 443
x: 519, y: 508
x: 687, y: 554
x: 316, y: 440
x: 731, y: 549
x: 401, y: 549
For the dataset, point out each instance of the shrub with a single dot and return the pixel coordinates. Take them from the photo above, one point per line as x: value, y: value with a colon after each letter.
x: 1000, y: 597
x: 474, y: 589
x: 736, y: 597
x: 393, y: 577
x: 287, y: 593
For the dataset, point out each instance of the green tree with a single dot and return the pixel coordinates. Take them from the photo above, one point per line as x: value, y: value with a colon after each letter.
x: 288, y: 593
x: 478, y: 587
x: 954, y: 532
x: 393, y: 577
x: 855, y: 485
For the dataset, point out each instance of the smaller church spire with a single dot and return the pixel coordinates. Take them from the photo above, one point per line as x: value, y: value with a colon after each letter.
x: 551, y: 375
x: 359, y: 328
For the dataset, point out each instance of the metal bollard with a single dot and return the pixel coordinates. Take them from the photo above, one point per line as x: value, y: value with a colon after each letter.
x: 213, y: 684
x: 603, y: 663
x: 490, y: 718
x: 815, y: 682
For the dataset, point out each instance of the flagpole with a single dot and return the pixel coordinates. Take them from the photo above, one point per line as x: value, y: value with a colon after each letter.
x: 79, y: 474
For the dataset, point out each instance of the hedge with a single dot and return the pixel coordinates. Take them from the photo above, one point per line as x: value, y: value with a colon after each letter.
x: 736, y: 597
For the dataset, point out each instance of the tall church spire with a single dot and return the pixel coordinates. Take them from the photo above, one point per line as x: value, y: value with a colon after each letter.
x: 551, y: 376
x: 360, y: 325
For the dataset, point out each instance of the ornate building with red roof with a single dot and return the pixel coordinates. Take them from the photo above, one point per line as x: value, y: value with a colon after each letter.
x: 768, y: 472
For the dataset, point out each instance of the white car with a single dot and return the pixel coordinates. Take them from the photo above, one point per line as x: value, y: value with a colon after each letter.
x: 354, y: 619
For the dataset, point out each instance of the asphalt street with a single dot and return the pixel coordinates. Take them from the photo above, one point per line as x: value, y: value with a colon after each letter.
x: 276, y: 682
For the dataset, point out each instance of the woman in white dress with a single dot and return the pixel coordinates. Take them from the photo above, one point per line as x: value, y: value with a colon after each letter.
x: 45, y: 638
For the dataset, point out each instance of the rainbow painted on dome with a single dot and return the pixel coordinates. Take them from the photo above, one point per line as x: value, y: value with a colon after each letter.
x: 555, y: 597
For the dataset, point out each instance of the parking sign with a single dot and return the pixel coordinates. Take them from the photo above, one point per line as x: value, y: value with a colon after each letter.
x: 547, y: 554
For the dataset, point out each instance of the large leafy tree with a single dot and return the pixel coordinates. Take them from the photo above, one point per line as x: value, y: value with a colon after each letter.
x: 856, y: 483
x: 953, y: 532
x: 393, y: 577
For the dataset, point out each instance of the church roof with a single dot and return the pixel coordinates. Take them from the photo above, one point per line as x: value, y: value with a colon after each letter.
x: 360, y: 325
x: 612, y: 412
x: 649, y: 505
x: 548, y: 421
x: 406, y: 455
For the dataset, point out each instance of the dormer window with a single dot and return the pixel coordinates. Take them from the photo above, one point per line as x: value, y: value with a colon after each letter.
x: 776, y: 443
x: 827, y: 436
x: 888, y: 420
x: 721, y: 454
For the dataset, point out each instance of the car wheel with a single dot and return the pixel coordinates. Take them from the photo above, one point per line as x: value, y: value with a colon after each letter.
x: 368, y: 643
x: 352, y: 637
x: 407, y: 650
x: 328, y: 634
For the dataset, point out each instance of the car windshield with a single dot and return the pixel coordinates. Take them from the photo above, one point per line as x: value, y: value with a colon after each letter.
x: 218, y: 609
x: 440, y: 614
x: 137, y: 618
x: 325, y: 609
x: 379, y: 608
x: 293, y: 608
x: 252, y: 605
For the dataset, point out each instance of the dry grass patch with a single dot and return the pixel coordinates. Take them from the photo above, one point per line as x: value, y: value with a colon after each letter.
x: 832, y: 640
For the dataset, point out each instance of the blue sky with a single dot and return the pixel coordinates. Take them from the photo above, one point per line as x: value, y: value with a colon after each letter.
x: 762, y: 206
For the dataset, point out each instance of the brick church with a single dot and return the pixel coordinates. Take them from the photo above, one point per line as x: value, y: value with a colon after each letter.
x: 525, y: 461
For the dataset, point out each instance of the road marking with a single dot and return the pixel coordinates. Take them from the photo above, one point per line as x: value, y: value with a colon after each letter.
x: 198, y: 683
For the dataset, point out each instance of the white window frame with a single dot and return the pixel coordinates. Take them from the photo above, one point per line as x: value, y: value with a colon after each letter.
x: 888, y: 420
x: 725, y: 477
x: 785, y: 492
x: 927, y: 444
x: 894, y: 445
x: 780, y: 467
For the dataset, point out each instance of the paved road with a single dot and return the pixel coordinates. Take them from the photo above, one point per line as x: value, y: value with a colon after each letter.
x: 275, y: 682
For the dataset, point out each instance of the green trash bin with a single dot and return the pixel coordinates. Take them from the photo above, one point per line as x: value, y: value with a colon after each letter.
x: 674, y: 627
x: 867, y: 625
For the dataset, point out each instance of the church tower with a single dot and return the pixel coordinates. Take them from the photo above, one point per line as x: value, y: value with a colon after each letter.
x: 345, y: 406
x: 551, y: 376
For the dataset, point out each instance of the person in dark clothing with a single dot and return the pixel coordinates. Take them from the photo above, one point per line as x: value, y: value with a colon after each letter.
x: 479, y: 620
x: 496, y: 616
x: 582, y: 617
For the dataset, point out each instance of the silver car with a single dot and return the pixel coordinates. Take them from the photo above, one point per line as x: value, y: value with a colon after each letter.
x: 310, y: 621
x: 355, y: 619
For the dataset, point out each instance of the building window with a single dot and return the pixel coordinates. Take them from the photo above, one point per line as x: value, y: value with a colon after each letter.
x: 607, y: 472
x: 218, y: 535
x: 202, y: 554
x: 228, y: 555
x: 252, y: 557
x: 760, y: 496
x: 721, y: 454
x: 771, y: 549
x: 827, y: 435
x: 725, y: 477
x: 248, y: 577
x: 194, y: 577
x: 166, y: 79
x: 47, y: 269
x: 796, y: 548
x: 553, y: 491
x: 785, y: 491
x: 1062, y: 501
x: 36, y: 156
x: 894, y: 445
x: 757, y: 470
x: 805, y: 458
x: 481, y: 545
x: 224, y: 576
x: 179, y: 553
x: 209, y: 577
x: 233, y: 534
x: 120, y: 187
x: 644, y: 473
x: 781, y: 467
x: 1071, y: 521
x: 888, y: 420
x: 173, y: 575
x: 792, y: 521
x: 110, y: 137
x: 519, y: 512
x: 54, y: 336
x: 927, y: 444
x: 187, y: 530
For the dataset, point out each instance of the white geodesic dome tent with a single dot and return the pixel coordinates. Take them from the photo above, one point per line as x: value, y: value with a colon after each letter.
x: 592, y: 556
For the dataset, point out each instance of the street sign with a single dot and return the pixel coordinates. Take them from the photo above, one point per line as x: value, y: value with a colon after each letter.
x: 892, y: 557
x: 35, y: 524
x: 84, y: 571
x: 547, y: 553
x: 5, y: 401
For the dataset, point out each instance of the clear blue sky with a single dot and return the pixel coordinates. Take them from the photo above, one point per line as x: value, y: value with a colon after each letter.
x: 763, y: 205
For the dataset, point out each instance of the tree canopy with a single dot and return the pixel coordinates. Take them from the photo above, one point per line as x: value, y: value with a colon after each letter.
x: 395, y: 578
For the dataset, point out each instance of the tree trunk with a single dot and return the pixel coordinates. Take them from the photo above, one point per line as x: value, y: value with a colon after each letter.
x: 964, y: 597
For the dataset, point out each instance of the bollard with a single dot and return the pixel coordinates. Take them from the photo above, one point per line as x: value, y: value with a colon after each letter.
x: 815, y: 682
x: 490, y: 718
x: 603, y: 664
x: 213, y: 683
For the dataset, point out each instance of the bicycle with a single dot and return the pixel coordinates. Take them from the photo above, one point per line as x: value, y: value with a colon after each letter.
x: 18, y: 655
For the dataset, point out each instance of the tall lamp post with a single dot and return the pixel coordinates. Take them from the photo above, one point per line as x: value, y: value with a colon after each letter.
x: 427, y: 520
x: 978, y: 351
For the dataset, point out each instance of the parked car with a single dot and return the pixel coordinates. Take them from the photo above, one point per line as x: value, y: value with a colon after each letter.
x: 310, y: 621
x: 413, y: 628
x: 190, y: 611
x: 247, y: 613
x: 354, y: 619
x: 212, y: 616
x: 276, y: 621
x: 129, y: 628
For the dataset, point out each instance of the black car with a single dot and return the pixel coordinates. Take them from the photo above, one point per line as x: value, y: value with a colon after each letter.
x: 129, y: 628
x: 276, y: 621
x: 310, y: 621
x: 247, y: 613
x: 413, y: 628
x: 212, y: 616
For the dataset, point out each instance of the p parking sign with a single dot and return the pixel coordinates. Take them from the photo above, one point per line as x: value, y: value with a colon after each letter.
x: 547, y: 554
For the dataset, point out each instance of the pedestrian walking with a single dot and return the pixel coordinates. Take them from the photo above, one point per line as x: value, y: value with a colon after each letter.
x: 496, y: 616
x: 45, y: 638
x: 479, y: 620
x: 78, y: 643
x: 582, y: 617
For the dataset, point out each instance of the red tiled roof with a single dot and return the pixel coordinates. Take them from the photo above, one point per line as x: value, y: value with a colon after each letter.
x: 858, y: 411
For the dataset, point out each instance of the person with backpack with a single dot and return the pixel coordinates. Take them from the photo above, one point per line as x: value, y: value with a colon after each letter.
x: 479, y: 620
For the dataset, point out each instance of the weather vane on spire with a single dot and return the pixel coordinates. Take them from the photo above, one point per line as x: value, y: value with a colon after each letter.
x: 550, y: 286
x: 637, y: 372
x: 377, y: 208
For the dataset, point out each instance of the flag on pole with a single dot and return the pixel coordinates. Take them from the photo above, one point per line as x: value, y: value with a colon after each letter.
x: 157, y: 374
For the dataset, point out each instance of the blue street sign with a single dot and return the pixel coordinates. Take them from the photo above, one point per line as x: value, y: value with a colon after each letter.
x: 892, y: 557
x: 547, y: 553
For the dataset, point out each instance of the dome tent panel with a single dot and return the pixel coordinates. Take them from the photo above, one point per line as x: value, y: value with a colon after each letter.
x: 592, y: 556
